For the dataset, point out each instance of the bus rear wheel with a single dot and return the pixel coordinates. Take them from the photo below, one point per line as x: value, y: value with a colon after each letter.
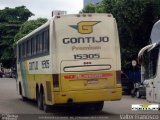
x: 40, y: 100
x: 98, y: 106
x: 20, y: 92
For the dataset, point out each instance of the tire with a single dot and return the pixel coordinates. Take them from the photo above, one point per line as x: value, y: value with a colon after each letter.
x: 133, y: 93
x: 24, y: 98
x: 138, y: 94
x: 98, y: 106
x: 128, y: 92
x: 20, y: 92
x: 40, y: 100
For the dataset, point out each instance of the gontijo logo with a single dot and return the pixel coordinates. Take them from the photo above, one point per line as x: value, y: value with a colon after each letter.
x: 145, y: 107
x: 85, y: 27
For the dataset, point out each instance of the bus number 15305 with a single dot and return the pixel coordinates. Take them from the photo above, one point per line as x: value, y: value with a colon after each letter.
x: 86, y: 56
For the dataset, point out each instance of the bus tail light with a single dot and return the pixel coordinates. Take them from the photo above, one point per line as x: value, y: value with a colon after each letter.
x: 55, y: 80
x: 118, y: 77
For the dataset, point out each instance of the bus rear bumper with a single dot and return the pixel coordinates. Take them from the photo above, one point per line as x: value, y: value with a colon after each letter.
x: 87, y: 96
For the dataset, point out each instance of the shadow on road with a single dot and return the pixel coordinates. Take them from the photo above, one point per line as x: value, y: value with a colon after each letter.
x: 77, y: 110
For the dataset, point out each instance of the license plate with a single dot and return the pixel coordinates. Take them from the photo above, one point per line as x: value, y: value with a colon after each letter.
x: 92, y: 81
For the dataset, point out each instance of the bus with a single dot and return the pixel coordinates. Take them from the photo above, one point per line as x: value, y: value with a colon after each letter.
x: 71, y: 59
x: 150, y: 65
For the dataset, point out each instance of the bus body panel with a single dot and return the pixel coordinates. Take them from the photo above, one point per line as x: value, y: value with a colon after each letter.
x: 150, y: 71
x: 34, y: 72
x: 87, y: 96
x: 83, y: 59
x: 149, y: 90
x: 153, y: 81
x: 100, y: 43
x: 98, y: 79
x: 153, y: 85
x: 157, y: 83
x: 87, y: 61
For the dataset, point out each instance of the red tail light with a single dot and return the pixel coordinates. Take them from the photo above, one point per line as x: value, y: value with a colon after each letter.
x: 55, y: 81
x: 118, y: 77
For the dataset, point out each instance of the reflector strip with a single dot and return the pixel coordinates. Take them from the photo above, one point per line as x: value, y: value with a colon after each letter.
x: 88, y: 76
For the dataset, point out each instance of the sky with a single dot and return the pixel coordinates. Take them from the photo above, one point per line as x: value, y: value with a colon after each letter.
x: 43, y: 8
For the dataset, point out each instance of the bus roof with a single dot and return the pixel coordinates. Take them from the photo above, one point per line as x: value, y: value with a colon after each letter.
x: 34, y: 31
x: 59, y: 16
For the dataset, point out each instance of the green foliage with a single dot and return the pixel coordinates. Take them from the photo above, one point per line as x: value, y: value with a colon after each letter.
x: 28, y: 27
x: 90, y: 8
x: 10, y: 21
x: 135, y: 19
x: 100, y: 8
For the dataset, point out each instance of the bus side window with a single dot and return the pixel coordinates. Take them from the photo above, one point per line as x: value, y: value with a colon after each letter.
x: 29, y: 48
x: 40, y: 43
x: 47, y: 41
x: 32, y: 46
x: 43, y: 42
x: 23, y: 50
x: 37, y: 44
x: 19, y: 52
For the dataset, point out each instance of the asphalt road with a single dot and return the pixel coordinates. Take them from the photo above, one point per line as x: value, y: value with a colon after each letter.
x: 11, y: 103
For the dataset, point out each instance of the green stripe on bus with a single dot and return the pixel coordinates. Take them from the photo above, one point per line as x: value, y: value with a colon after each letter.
x: 24, y: 77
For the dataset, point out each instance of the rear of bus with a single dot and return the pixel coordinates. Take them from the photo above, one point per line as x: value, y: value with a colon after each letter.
x: 88, y: 59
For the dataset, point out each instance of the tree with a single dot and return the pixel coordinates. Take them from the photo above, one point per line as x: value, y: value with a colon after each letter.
x: 135, y: 19
x: 28, y: 27
x: 90, y: 8
x: 10, y: 21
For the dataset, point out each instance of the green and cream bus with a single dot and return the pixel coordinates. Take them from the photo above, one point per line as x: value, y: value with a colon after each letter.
x: 71, y: 59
